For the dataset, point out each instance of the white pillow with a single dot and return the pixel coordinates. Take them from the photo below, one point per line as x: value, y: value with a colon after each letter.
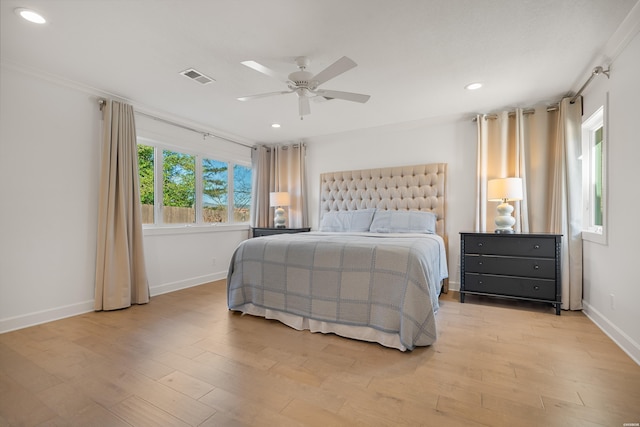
x: 338, y: 221
x: 403, y: 222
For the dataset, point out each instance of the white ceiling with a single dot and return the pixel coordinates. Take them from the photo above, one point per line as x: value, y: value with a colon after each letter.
x: 414, y: 56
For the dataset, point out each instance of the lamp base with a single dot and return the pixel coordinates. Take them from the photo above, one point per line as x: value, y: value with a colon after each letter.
x: 279, y: 220
x: 505, y: 231
x: 504, y: 220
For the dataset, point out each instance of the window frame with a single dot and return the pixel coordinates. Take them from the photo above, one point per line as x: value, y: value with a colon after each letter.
x: 590, y: 231
x: 158, y: 166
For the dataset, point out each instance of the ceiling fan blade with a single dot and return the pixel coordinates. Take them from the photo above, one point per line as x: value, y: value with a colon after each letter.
x: 264, y: 70
x: 263, y: 95
x: 303, y: 106
x: 340, y: 66
x: 347, y: 96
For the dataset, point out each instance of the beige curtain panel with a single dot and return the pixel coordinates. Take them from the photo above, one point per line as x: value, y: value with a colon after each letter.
x: 543, y: 149
x: 261, y: 165
x: 279, y: 168
x: 121, y: 277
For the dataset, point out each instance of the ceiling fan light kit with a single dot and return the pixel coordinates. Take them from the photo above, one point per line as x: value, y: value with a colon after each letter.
x: 305, y: 84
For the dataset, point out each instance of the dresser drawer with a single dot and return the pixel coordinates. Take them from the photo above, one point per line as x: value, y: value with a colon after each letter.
x: 266, y: 231
x: 511, y: 266
x: 510, y: 286
x: 511, y: 246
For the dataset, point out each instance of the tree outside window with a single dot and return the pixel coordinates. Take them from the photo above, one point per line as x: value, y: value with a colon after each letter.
x: 145, y: 170
x: 192, y: 188
x: 215, y: 181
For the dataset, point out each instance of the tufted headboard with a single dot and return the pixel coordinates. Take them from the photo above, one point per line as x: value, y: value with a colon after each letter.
x: 419, y: 187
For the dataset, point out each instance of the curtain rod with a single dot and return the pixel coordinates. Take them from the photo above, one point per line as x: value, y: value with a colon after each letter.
x: 101, y: 103
x: 596, y: 72
x: 282, y: 146
x: 511, y: 114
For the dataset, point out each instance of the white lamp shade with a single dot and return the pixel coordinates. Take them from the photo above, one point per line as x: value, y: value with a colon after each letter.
x: 280, y: 198
x: 509, y: 189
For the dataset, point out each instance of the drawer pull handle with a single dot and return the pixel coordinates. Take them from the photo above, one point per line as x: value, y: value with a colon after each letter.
x: 536, y: 246
x: 479, y: 262
x: 536, y: 267
x: 480, y: 244
x: 536, y: 288
x: 479, y: 282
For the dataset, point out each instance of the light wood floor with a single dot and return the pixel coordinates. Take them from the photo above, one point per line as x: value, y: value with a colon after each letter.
x: 184, y: 359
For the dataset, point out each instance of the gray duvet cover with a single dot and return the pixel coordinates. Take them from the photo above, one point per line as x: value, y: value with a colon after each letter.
x: 388, y: 282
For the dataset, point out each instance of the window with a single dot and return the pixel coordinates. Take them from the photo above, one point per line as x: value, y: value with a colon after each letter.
x: 193, y: 188
x: 146, y: 177
x: 594, y: 149
x: 241, y: 193
x: 178, y: 188
x: 215, y: 199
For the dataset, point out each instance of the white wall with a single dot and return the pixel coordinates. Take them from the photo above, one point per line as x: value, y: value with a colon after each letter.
x: 50, y: 134
x: 450, y: 140
x: 49, y: 158
x: 610, y: 269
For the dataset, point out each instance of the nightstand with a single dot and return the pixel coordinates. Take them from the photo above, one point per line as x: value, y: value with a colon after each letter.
x: 264, y: 231
x: 521, y: 266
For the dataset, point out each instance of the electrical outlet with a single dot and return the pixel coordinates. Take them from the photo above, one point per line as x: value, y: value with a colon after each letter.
x: 612, y: 300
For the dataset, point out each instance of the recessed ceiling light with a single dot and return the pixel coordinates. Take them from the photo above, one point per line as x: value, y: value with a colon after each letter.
x: 275, y: 125
x: 30, y: 15
x: 473, y: 86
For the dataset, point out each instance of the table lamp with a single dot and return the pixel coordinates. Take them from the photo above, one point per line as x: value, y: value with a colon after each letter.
x: 278, y: 200
x: 504, y: 190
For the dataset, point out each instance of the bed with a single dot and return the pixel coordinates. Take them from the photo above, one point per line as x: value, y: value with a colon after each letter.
x: 373, y: 270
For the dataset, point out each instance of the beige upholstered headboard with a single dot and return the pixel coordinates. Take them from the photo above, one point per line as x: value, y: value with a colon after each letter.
x: 419, y: 187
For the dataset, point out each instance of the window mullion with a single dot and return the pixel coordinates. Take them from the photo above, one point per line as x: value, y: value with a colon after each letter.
x: 158, y: 179
x: 199, y: 191
x: 230, y: 193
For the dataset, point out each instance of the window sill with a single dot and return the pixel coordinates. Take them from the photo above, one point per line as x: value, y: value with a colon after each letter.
x: 591, y: 236
x: 174, y: 229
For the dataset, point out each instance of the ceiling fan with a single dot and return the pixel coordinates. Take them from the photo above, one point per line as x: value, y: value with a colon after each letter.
x: 305, y: 84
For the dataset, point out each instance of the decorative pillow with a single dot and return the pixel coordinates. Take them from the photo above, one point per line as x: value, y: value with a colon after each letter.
x: 357, y: 221
x: 403, y: 222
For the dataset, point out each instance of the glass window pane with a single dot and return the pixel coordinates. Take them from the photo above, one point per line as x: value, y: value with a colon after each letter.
x: 597, y: 177
x: 179, y: 188
x: 145, y: 172
x: 241, y: 193
x: 215, y: 188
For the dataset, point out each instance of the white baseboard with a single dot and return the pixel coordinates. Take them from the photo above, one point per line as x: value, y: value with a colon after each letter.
x: 44, y: 316
x: 454, y: 286
x: 188, y: 283
x: 31, y: 319
x: 623, y: 341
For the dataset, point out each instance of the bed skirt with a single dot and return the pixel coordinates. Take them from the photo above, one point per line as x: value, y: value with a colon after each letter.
x: 362, y: 333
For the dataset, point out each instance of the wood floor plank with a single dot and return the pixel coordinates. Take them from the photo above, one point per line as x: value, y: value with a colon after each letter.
x: 583, y: 414
x: 25, y: 372
x: 246, y: 411
x: 313, y: 415
x: 186, y: 384
x: 251, y: 384
x: 19, y: 406
x: 173, y: 402
x: 66, y: 400
x: 184, y: 359
x: 138, y: 412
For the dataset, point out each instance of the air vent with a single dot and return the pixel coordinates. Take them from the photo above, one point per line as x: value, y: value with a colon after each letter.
x: 197, y: 76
